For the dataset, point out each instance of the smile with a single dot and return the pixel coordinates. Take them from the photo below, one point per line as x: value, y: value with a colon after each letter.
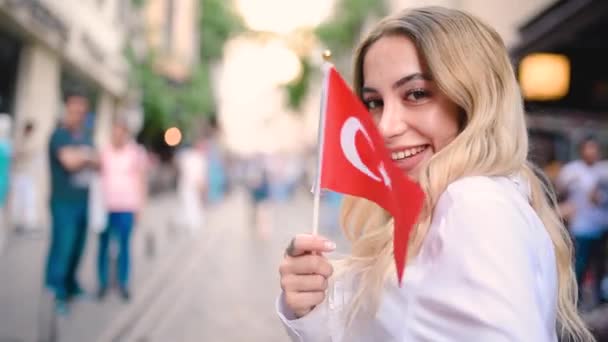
x: 408, y: 153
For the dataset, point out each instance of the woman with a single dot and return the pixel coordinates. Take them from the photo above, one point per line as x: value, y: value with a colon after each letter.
x: 124, y: 184
x: 489, y: 259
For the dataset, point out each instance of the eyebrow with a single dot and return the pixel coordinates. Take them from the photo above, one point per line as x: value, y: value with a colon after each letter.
x: 403, y: 80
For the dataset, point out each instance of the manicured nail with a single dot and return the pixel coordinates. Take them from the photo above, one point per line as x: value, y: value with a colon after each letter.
x: 330, y: 245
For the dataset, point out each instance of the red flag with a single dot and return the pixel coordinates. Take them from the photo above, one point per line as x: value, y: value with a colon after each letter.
x: 355, y: 161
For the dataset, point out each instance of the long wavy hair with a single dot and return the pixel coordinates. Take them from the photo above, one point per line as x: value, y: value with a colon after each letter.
x: 469, y: 63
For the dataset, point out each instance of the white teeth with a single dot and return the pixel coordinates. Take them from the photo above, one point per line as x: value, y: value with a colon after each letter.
x: 407, y: 153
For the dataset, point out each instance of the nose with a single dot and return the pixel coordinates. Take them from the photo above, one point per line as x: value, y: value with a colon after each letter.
x: 392, y: 122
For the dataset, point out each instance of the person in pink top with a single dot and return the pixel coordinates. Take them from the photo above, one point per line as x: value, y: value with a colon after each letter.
x: 124, y: 187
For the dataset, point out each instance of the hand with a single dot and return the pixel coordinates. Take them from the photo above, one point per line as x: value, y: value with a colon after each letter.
x: 567, y: 209
x: 304, y: 273
x: 92, y: 157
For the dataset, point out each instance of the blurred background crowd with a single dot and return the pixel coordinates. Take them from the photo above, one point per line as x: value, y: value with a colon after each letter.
x: 196, y: 122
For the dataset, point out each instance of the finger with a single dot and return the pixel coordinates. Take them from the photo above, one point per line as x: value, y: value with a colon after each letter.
x: 305, y: 265
x: 306, y: 243
x: 302, y: 302
x: 306, y: 283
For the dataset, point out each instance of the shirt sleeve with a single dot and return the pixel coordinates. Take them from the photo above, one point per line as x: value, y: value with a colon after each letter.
x: 482, y: 284
x: 566, y: 176
x: 58, y: 140
x: 311, y: 328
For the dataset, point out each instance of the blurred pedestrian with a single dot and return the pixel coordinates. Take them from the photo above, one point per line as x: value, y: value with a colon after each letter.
x: 580, y: 180
x: 217, y: 174
x: 216, y: 167
x: 24, y: 194
x: 258, y: 185
x: 124, y: 188
x: 191, y: 186
x: 330, y: 218
x: 488, y: 259
x: 72, y: 161
x: 5, y: 167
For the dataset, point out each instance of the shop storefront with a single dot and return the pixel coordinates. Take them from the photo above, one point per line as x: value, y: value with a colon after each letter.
x: 562, y: 68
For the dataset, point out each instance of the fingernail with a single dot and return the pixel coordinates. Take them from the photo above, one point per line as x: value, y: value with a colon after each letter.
x: 330, y: 245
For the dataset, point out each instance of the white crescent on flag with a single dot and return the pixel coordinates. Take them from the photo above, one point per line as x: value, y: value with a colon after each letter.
x: 347, y: 141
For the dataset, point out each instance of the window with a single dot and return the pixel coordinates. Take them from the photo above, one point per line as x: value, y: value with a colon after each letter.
x: 168, y: 29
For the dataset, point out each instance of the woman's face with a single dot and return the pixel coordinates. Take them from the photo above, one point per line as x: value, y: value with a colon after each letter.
x: 415, y: 119
x: 120, y: 135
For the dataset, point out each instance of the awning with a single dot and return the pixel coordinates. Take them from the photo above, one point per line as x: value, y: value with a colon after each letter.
x: 565, y: 24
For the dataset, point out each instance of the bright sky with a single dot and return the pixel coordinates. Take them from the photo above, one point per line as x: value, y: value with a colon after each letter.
x: 251, y: 101
x: 283, y: 16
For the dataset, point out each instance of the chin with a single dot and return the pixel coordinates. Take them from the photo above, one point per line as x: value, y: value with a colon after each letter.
x: 414, y: 175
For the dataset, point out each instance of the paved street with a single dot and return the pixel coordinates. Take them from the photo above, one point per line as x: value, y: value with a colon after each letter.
x: 225, y: 288
x: 25, y: 309
x: 216, y: 285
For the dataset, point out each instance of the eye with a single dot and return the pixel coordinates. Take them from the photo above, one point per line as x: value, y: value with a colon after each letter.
x: 373, y: 104
x: 417, y: 95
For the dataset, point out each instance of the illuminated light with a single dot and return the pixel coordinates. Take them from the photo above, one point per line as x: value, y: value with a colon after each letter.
x: 544, y: 76
x: 271, y: 62
x: 282, y: 60
x: 282, y: 16
x: 173, y: 136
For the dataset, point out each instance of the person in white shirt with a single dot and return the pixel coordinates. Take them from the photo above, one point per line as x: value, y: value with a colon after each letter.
x: 191, y: 186
x: 489, y: 259
x: 580, y: 180
x: 27, y: 160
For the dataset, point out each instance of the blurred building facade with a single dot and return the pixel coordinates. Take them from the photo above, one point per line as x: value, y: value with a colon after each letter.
x: 568, y: 39
x: 171, y: 34
x: 48, y: 46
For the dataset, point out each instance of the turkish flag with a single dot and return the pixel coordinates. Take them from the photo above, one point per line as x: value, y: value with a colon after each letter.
x: 355, y: 161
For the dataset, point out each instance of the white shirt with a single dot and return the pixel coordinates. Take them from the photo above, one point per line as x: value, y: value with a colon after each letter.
x: 193, y: 171
x: 486, y: 272
x: 580, y: 180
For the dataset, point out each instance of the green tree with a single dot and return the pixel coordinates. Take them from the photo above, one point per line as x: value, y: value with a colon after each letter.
x: 166, y: 103
x: 339, y: 34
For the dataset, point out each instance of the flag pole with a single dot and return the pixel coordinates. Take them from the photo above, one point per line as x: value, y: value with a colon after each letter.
x: 320, y: 140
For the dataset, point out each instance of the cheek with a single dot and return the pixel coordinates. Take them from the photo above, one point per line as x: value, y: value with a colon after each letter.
x: 440, y: 128
x: 448, y: 134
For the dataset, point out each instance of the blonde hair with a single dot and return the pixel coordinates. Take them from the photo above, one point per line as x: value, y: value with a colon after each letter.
x: 468, y: 61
